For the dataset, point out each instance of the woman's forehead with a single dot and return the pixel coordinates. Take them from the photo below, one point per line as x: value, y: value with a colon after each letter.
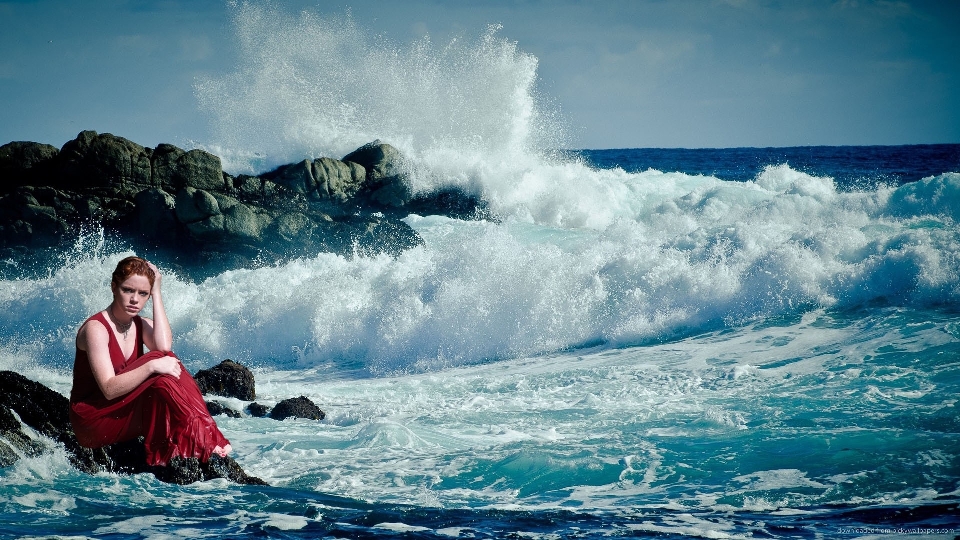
x: 137, y: 282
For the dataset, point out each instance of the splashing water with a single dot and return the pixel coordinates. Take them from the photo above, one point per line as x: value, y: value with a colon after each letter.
x: 312, y: 86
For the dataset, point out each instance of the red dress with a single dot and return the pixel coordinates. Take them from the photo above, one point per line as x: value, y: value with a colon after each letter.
x: 168, y: 412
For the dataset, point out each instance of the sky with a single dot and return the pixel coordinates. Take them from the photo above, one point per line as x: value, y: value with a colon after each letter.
x: 623, y: 73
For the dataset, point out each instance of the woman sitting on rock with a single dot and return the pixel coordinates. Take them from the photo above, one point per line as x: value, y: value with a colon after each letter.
x: 119, y: 393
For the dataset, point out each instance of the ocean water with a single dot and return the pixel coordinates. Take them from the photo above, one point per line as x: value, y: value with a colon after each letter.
x: 716, y: 343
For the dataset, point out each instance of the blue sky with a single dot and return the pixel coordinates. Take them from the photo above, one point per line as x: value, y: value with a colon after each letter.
x: 641, y: 73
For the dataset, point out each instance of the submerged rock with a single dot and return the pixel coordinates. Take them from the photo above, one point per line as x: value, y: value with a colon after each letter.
x: 300, y: 407
x: 258, y: 410
x: 216, y: 408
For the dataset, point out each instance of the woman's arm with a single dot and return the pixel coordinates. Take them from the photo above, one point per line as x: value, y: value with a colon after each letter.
x: 94, y: 339
x: 156, y: 333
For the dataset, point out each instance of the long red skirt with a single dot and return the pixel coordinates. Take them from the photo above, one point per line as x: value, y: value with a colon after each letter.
x: 168, y: 412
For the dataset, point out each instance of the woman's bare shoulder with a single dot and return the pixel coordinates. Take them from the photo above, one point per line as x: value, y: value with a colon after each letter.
x: 91, y: 331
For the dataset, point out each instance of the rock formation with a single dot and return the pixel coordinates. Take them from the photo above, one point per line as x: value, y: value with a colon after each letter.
x: 180, y: 208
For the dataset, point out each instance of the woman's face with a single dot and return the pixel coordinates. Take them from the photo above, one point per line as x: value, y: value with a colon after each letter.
x: 132, y: 294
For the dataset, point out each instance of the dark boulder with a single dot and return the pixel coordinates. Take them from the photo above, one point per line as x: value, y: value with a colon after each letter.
x: 227, y: 379
x: 258, y: 410
x: 13, y: 441
x: 189, y: 470
x: 23, y: 162
x: 300, y: 407
x: 95, y: 160
x: 175, y: 169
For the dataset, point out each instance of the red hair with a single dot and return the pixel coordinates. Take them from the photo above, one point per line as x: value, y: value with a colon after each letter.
x: 132, y: 266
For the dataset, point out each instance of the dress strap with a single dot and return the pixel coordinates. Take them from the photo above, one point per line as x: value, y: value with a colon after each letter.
x: 138, y: 322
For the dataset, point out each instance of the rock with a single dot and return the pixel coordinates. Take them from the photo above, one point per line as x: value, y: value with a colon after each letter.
x: 21, y: 162
x: 156, y: 215
x: 13, y: 441
x: 227, y: 379
x: 175, y: 169
x: 216, y: 408
x: 387, y: 183
x: 93, y: 160
x: 337, y: 180
x: 48, y: 413
x: 300, y: 407
x: 329, y: 184
x: 180, y: 209
x: 258, y: 410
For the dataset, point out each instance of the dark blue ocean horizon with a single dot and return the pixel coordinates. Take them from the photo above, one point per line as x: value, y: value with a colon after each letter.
x: 852, y: 167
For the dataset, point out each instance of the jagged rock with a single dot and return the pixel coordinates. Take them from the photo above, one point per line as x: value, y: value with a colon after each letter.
x: 44, y: 410
x: 48, y: 413
x: 227, y: 379
x: 329, y: 184
x: 217, y: 408
x: 258, y: 410
x: 300, y: 407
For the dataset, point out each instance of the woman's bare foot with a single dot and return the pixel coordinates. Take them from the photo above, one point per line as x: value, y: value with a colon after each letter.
x: 222, y: 452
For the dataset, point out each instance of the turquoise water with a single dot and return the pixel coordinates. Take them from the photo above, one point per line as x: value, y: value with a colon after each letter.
x: 798, y: 428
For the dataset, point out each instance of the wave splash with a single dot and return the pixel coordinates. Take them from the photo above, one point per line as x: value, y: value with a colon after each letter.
x: 312, y: 86
x: 699, y: 254
x: 582, y: 256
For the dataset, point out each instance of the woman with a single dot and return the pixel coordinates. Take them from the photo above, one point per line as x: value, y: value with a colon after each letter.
x: 119, y: 393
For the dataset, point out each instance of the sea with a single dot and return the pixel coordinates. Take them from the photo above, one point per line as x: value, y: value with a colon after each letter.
x: 669, y: 343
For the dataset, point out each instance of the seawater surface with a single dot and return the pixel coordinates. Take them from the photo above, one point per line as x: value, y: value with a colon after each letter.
x: 715, y: 343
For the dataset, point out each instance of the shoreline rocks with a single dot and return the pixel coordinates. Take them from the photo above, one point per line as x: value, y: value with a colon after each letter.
x: 179, y: 207
x: 24, y: 402
x: 48, y: 413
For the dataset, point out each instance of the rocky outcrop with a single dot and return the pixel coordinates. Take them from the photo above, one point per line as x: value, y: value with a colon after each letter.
x: 48, y: 413
x: 180, y: 208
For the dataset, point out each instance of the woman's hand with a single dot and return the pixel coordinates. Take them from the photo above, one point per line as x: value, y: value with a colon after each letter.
x: 166, y: 365
x: 156, y: 332
x: 156, y: 277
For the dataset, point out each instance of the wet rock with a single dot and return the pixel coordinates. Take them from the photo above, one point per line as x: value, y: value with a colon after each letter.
x: 258, y: 410
x: 227, y: 379
x: 386, y: 182
x: 48, y: 413
x: 216, y: 408
x: 179, y: 208
x: 300, y: 407
x: 13, y: 441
